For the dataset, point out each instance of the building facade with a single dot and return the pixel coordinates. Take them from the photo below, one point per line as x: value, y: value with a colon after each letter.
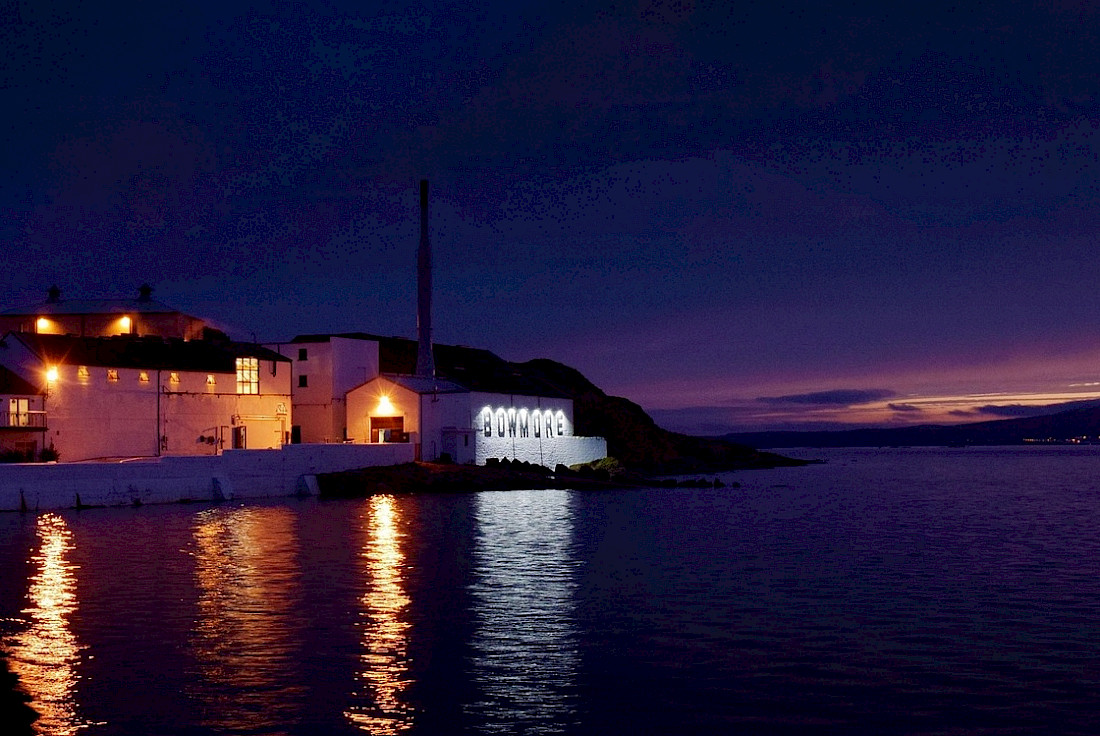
x: 127, y: 396
x: 359, y: 387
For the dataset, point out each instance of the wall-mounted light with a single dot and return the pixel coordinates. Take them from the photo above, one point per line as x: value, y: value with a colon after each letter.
x: 51, y: 373
x: 385, y: 407
x: 42, y: 323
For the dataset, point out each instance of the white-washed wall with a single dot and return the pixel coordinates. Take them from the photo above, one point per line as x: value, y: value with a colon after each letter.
x: 547, y: 451
x: 233, y: 474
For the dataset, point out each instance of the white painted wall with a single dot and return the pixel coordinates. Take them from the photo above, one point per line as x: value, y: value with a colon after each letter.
x: 95, y: 416
x: 233, y: 474
x: 332, y: 368
x: 541, y: 451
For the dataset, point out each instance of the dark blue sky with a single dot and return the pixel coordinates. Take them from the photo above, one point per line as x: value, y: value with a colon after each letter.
x: 736, y: 214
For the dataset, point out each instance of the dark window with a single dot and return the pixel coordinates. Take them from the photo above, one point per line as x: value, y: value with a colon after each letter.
x: 303, y: 381
x: 303, y: 354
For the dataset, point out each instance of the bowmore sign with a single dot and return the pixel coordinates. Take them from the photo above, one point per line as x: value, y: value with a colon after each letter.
x: 512, y: 422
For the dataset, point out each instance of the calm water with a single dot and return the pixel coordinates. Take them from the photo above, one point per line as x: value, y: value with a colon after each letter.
x: 887, y: 591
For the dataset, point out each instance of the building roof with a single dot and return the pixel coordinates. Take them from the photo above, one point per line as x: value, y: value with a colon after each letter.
x: 91, y: 306
x: 10, y: 383
x: 474, y: 368
x: 422, y: 385
x: 156, y: 353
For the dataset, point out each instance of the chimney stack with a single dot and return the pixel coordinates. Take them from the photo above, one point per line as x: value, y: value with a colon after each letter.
x: 425, y: 361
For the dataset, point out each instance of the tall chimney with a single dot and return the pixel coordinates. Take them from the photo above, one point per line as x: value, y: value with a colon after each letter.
x: 425, y: 361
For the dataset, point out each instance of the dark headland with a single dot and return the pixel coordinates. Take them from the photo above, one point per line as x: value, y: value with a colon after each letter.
x: 638, y: 451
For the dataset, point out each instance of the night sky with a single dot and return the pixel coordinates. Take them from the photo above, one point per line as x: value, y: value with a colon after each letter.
x: 739, y: 215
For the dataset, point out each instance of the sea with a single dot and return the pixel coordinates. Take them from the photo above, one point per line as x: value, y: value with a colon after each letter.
x: 880, y: 591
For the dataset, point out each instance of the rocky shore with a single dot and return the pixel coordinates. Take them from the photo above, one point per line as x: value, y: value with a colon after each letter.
x: 496, y: 476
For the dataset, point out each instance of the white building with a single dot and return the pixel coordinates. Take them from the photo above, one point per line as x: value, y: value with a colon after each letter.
x: 358, y: 387
x: 127, y: 396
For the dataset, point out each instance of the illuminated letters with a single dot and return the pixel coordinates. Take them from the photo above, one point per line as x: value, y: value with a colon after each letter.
x: 522, y: 422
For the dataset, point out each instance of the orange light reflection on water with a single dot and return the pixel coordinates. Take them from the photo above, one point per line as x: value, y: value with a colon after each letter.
x: 246, y: 567
x: 46, y: 654
x: 384, y: 660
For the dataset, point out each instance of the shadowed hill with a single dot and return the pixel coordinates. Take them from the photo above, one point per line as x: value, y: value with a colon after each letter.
x: 633, y: 437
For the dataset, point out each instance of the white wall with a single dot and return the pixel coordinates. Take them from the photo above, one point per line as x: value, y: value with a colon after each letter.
x: 545, y: 445
x: 332, y: 367
x: 92, y: 416
x: 233, y: 474
x: 541, y: 451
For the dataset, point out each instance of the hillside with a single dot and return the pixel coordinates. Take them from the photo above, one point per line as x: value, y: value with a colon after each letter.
x: 634, y: 438
x: 1061, y: 426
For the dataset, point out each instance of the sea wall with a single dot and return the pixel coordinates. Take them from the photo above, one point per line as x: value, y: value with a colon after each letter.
x: 546, y: 451
x: 232, y: 474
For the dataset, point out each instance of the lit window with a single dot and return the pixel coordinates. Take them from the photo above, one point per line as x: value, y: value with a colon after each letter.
x: 143, y: 377
x: 248, y: 376
x: 112, y: 374
x: 173, y: 377
x: 125, y: 323
x: 210, y: 379
x: 43, y: 324
x: 82, y: 371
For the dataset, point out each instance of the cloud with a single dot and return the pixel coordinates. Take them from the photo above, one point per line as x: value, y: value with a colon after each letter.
x: 961, y: 413
x: 904, y: 408
x: 837, y: 397
x: 1011, y: 410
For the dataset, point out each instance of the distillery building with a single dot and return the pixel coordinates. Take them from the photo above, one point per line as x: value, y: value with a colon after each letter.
x: 86, y: 398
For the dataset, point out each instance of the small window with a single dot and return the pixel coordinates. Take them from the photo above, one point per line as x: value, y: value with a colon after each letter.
x: 303, y: 354
x: 173, y: 377
x: 112, y: 374
x: 303, y: 381
x: 144, y: 376
x: 210, y: 379
x: 82, y: 371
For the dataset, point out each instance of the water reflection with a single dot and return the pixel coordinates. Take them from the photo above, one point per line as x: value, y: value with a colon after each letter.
x: 46, y: 654
x: 246, y: 634
x: 382, y: 708
x: 525, y: 641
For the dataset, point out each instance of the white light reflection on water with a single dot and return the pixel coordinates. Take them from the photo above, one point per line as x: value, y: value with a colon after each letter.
x: 46, y: 654
x: 246, y: 639
x: 525, y: 641
x: 382, y: 708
